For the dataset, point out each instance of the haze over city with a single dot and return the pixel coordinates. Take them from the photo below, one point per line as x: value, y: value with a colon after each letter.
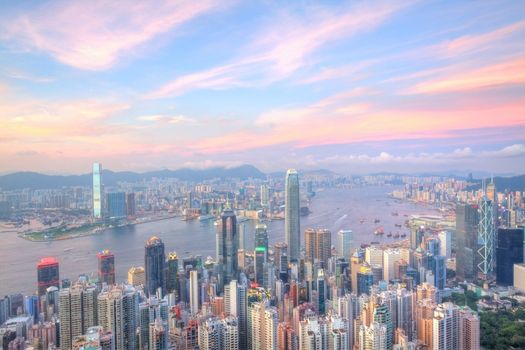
x: 355, y: 87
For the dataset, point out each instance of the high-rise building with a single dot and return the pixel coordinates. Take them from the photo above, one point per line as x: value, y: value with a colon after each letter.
x: 153, y: 322
x: 373, y: 337
x: 116, y: 205
x: 318, y: 245
x: 292, y: 226
x: 106, y: 267
x: 172, y: 270
x: 118, y: 310
x: 445, y: 327
x: 47, y: 274
x: 468, y: 330
x: 264, y: 321
x: 154, y: 261
x: 78, y: 312
x: 194, y: 292
x: 97, y: 191
x: 390, y: 257
x: 261, y: 236
x: 227, y: 245
x: 235, y: 304
x: 130, y: 204
x: 217, y: 334
x: 509, y: 251
x: 519, y: 277
x: 136, y: 276
x: 486, y: 238
x: 265, y: 195
x: 383, y: 315
x: 344, y: 243
x: 260, y: 261
x: 445, y: 244
x: 467, y: 220
x: 440, y: 272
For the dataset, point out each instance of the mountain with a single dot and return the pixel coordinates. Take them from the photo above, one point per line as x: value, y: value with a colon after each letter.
x: 110, y: 178
x: 512, y: 183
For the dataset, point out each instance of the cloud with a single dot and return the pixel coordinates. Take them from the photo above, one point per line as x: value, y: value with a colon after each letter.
x: 509, y: 151
x: 16, y: 74
x: 176, y: 119
x: 284, y: 46
x: 94, y: 35
x: 504, y: 73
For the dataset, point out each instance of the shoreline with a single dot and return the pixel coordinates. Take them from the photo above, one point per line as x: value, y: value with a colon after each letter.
x: 98, y: 230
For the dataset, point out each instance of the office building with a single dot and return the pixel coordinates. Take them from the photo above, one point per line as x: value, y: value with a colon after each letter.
x: 486, y: 238
x: 194, y: 292
x: 130, y: 204
x: 235, y: 304
x: 106, y: 267
x: 390, y: 258
x: 227, y: 245
x: 154, y: 262
x: 116, y: 205
x: 344, y: 243
x: 172, y: 271
x: 265, y: 195
x: 318, y: 244
x: 261, y: 236
x: 519, y: 277
x: 47, y: 274
x: 153, y: 322
x: 445, y: 244
x: 292, y: 227
x: 97, y: 191
x: 509, y: 251
x: 136, y: 276
x: 467, y: 221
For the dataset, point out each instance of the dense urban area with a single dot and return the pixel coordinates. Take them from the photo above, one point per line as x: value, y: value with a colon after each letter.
x: 452, y: 279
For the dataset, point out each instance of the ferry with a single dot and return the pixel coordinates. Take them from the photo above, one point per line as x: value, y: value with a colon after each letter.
x: 380, y: 231
x: 206, y: 217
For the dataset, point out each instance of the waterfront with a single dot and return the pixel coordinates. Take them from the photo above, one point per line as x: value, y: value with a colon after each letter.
x: 332, y: 208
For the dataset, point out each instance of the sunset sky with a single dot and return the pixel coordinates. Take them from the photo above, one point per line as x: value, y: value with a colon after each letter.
x: 359, y: 86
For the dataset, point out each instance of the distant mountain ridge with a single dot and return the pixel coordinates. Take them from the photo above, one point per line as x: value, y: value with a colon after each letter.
x: 512, y: 183
x: 35, y: 180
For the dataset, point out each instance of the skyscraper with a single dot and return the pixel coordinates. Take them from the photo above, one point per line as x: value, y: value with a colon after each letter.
x: 118, y: 310
x: 292, y: 227
x: 47, y: 274
x: 97, y: 190
x: 78, y: 312
x: 467, y: 220
x: 509, y: 252
x: 130, y: 204
x: 227, y: 245
x: 486, y: 237
x: 468, y: 330
x: 264, y: 321
x: 194, y: 292
x: 106, y: 267
x: 445, y: 327
x: 172, y: 270
x: 116, y: 205
x: 318, y: 245
x: 261, y: 236
x: 344, y: 243
x: 153, y: 312
x: 154, y: 260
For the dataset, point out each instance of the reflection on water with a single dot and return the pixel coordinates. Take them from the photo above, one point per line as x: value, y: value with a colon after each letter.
x: 334, y: 209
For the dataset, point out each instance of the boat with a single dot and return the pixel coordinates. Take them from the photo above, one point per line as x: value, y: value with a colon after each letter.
x: 206, y: 217
x: 395, y: 213
x: 403, y: 235
x: 68, y: 250
x: 396, y: 235
x: 377, y: 221
x: 361, y: 221
x: 389, y: 234
x: 399, y: 225
x: 379, y: 231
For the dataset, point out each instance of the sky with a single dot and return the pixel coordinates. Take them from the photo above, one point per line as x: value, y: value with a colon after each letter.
x: 351, y: 86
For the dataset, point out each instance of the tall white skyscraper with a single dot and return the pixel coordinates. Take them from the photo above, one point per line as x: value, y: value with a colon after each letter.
x: 486, y: 237
x: 235, y: 304
x: 264, y: 321
x: 194, y: 292
x: 390, y: 256
x: 292, y: 227
x: 97, y: 191
x: 344, y: 243
x: 445, y: 244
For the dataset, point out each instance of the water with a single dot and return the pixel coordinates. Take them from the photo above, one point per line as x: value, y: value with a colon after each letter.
x: 334, y: 209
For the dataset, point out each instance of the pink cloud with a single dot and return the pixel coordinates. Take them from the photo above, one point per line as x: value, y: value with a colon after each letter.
x: 283, y: 47
x: 94, y: 35
x: 504, y: 73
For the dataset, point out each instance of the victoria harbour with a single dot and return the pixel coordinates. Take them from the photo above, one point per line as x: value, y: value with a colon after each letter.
x: 335, y: 209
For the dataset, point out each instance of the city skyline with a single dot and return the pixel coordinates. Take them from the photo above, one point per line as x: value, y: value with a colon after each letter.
x: 368, y: 86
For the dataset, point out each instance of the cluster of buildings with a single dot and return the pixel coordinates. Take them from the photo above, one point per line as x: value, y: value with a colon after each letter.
x: 307, y: 292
